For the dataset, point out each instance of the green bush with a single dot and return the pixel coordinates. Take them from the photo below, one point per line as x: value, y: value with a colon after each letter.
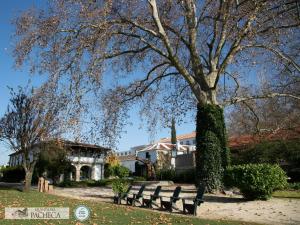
x: 256, y: 181
x: 294, y: 186
x: 120, y: 186
x: 121, y: 171
x: 137, y: 178
x: 108, y: 170
x: 116, y: 171
x: 13, y: 174
x: 272, y: 152
x: 166, y: 174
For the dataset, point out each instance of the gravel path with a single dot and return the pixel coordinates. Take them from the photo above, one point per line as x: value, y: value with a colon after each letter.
x: 274, y: 211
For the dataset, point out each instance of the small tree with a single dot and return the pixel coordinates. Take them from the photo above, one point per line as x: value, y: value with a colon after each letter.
x: 53, y: 160
x: 30, y: 119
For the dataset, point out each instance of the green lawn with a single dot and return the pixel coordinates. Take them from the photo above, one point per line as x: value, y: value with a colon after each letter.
x: 102, y: 213
x: 287, y: 194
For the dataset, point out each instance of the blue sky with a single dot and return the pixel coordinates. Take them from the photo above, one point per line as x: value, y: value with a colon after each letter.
x: 9, y: 76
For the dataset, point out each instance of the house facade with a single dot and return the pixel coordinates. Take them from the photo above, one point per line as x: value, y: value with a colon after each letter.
x: 159, y: 153
x: 87, y: 160
x: 184, y: 139
x: 128, y: 158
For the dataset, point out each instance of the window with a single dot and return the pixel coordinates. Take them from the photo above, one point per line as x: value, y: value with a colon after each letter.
x: 187, y: 142
x: 181, y: 142
x: 148, y: 155
x: 194, y: 142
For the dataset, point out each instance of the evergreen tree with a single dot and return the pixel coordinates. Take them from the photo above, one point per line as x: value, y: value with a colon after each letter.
x: 173, y: 132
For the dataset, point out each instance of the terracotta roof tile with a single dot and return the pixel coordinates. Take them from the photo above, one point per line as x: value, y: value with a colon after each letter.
x: 179, y: 137
x: 243, y: 140
x: 281, y: 134
x: 126, y: 157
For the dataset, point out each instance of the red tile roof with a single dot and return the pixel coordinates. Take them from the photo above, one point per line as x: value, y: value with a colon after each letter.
x: 280, y: 134
x: 179, y: 137
x: 243, y: 140
x: 127, y: 157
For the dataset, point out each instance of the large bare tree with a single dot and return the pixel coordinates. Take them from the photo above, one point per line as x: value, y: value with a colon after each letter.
x: 169, y: 52
x: 30, y: 119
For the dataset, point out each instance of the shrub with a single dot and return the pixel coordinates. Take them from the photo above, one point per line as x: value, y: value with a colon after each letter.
x: 119, y: 186
x: 138, y: 178
x: 273, y: 152
x: 166, y: 174
x: 13, y: 174
x: 294, y: 186
x: 117, y: 170
x: 108, y: 170
x: 121, y: 171
x: 256, y: 181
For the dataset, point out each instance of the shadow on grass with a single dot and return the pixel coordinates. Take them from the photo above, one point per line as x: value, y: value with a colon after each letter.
x: 11, y: 186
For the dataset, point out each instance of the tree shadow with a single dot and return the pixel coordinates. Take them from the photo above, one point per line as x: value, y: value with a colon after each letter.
x: 223, y: 199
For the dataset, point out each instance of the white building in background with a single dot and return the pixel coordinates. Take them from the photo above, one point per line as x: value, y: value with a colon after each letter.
x: 158, y: 153
x: 87, y: 160
x: 128, y: 158
x: 184, y: 139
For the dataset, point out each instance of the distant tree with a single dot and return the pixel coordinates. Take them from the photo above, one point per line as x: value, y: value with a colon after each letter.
x: 164, y: 55
x: 29, y: 119
x: 173, y: 132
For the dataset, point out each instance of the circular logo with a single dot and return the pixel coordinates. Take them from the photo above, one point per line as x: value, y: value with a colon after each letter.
x: 82, y: 213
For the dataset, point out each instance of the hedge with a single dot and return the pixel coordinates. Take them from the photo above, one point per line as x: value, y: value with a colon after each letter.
x: 256, y: 181
x: 13, y: 174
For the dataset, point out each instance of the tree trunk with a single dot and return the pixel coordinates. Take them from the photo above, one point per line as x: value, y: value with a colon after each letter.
x: 28, y: 179
x: 212, y: 154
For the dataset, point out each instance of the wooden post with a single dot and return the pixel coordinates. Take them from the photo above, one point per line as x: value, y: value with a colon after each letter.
x: 46, y: 186
x: 41, y: 184
x: 50, y: 189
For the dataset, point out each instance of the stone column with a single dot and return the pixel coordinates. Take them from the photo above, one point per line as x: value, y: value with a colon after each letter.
x: 102, y: 172
x: 61, y: 178
x: 77, y: 174
x: 93, y: 172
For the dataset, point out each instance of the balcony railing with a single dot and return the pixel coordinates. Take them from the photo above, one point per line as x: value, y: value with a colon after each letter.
x: 82, y: 159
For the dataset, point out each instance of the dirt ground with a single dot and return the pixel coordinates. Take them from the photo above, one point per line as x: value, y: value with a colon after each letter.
x: 274, y: 211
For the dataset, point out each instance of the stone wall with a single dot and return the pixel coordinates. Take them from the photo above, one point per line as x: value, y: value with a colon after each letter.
x: 185, y: 162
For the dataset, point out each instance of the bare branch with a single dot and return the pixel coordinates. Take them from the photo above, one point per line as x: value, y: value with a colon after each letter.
x: 253, y: 97
x: 278, y: 53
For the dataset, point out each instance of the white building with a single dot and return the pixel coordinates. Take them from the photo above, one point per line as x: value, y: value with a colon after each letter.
x: 160, y: 154
x: 184, y: 139
x: 87, y: 160
x: 128, y: 158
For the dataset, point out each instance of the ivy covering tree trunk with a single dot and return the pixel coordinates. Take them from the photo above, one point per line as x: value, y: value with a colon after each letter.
x: 212, y: 155
x: 28, y: 179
